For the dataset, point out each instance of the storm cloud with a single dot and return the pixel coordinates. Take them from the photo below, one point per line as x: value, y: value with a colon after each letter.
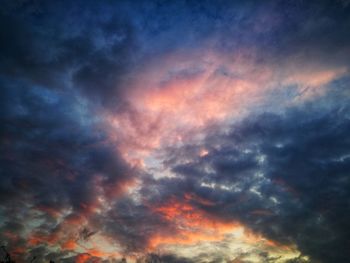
x: 181, y: 131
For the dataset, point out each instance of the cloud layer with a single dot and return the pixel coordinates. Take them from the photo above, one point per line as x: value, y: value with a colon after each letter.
x: 175, y: 132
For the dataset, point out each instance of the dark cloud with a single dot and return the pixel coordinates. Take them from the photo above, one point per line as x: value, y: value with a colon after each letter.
x: 98, y: 47
x: 283, y: 176
x: 53, y: 159
x: 133, y: 225
x: 154, y: 258
x: 316, y: 27
x: 64, y: 64
x: 62, y: 44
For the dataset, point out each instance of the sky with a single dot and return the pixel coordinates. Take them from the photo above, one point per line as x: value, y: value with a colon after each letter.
x: 175, y: 131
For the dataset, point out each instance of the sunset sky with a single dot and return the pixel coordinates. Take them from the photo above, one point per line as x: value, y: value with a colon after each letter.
x: 198, y: 131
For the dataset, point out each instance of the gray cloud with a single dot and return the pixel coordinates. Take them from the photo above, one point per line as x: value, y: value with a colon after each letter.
x: 62, y: 64
x: 287, y: 179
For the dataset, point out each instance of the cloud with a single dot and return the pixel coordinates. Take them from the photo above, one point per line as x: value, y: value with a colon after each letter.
x: 93, y: 55
x: 283, y: 176
x: 207, y: 131
x: 56, y: 171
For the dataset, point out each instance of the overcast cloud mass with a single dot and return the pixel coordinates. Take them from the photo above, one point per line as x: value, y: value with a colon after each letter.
x: 175, y: 131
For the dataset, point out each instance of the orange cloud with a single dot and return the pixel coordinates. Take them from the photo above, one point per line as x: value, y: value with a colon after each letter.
x: 312, y: 81
x: 38, y: 238
x: 179, y: 96
x: 75, y: 219
x: 114, y: 190
x: 102, y: 254
x: 69, y: 244
x: 314, y: 77
x: 82, y: 258
x: 192, y: 225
